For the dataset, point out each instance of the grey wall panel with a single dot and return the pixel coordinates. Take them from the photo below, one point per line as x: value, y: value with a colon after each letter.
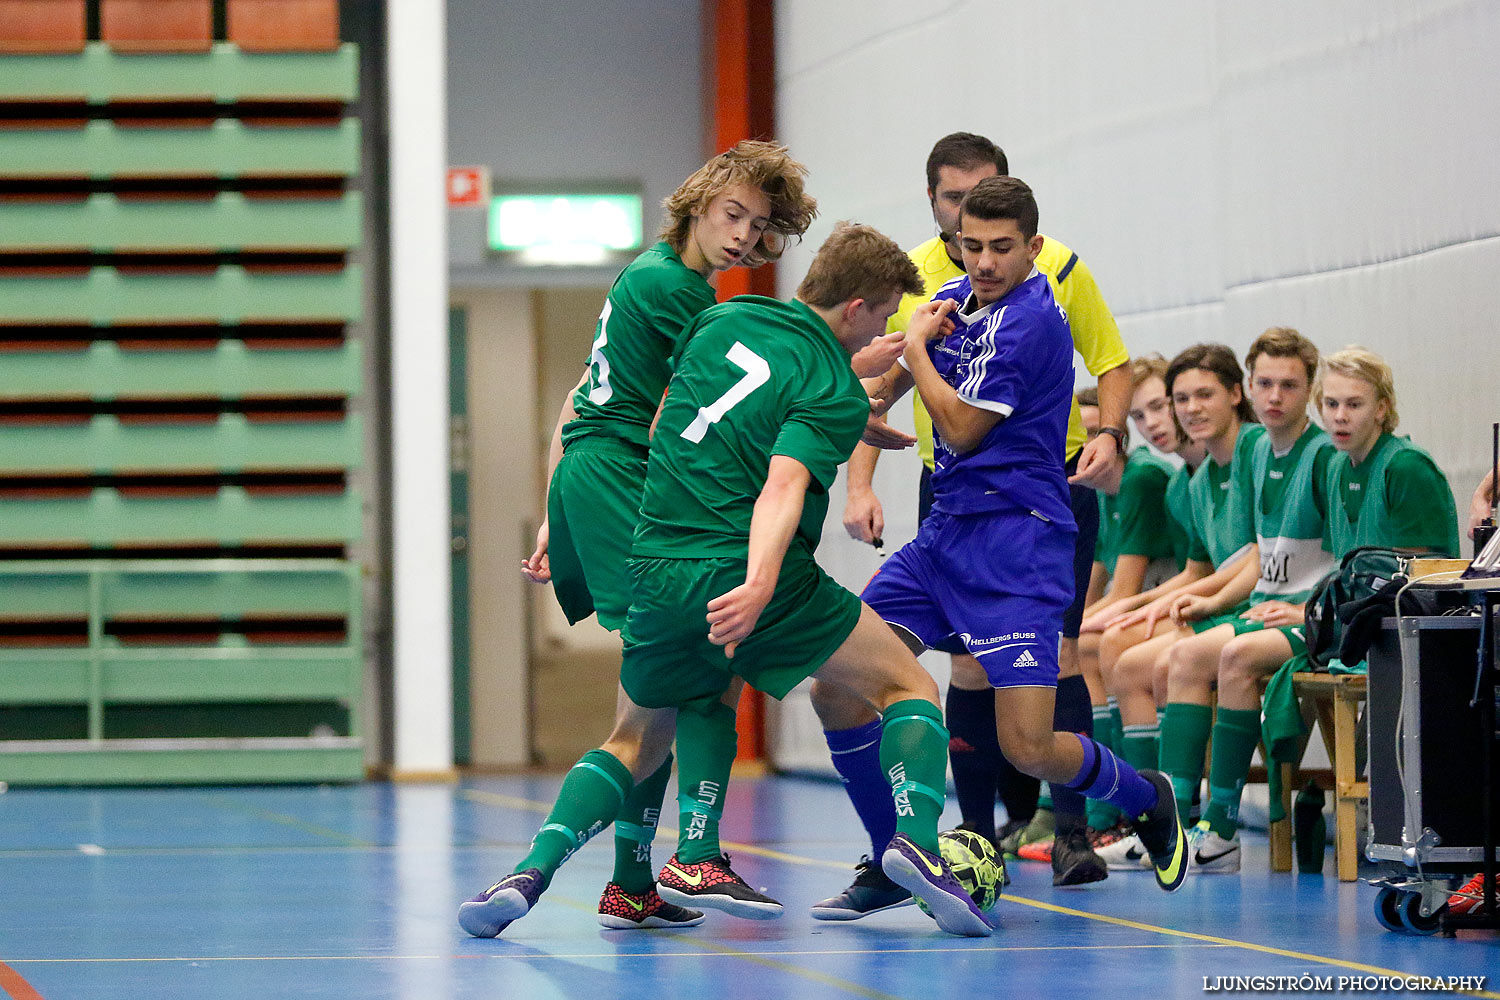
x: 572, y: 91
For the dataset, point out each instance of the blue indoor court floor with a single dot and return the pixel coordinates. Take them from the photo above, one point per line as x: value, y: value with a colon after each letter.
x: 249, y: 893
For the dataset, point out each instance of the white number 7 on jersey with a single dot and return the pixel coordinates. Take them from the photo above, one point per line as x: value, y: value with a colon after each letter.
x: 757, y: 373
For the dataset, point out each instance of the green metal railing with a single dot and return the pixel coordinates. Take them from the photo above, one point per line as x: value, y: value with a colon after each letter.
x: 228, y: 222
x: 230, y: 294
x: 99, y: 75
x: 106, y: 672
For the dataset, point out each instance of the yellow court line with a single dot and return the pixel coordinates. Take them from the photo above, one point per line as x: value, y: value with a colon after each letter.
x: 289, y: 821
x: 812, y: 974
x: 1039, y: 904
x: 510, y: 801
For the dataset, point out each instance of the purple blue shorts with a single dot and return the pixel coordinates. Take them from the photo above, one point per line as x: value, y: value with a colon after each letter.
x: 993, y: 585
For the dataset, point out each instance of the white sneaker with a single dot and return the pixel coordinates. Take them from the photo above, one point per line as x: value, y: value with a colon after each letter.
x: 1210, y: 853
x: 1125, y: 854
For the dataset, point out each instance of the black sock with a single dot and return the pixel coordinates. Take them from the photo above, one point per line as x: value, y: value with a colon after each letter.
x: 974, y: 754
x: 1072, y: 713
x: 1019, y: 792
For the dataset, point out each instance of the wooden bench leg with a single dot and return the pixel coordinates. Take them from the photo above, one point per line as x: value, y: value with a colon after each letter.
x: 1348, y: 790
x: 1281, y: 830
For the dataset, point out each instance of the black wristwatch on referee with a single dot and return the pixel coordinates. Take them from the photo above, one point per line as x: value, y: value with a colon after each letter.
x: 1118, y: 435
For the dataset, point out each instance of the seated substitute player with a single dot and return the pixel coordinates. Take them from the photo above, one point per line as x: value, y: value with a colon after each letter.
x: 955, y: 164
x: 1288, y: 473
x: 761, y: 410
x: 735, y: 209
x: 1138, y: 547
x: 1151, y: 411
x: 1206, y: 385
x: 1135, y: 551
x: 1386, y: 491
x: 990, y: 571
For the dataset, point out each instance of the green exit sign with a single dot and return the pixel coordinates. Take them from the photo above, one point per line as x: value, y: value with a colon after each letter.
x: 565, y: 228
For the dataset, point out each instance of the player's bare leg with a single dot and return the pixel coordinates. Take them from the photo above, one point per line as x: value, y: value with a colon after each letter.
x: 1024, y: 730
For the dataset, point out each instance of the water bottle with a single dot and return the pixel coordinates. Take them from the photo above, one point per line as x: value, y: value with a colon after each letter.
x: 1483, y: 532
x: 1310, y: 829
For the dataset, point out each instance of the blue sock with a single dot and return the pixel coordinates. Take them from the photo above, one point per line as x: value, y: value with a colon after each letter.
x: 1108, y: 778
x: 856, y: 757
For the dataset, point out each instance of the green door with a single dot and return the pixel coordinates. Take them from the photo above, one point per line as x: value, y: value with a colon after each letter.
x: 458, y: 525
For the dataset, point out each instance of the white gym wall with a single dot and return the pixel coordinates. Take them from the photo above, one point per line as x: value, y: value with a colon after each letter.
x: 1222, y: 167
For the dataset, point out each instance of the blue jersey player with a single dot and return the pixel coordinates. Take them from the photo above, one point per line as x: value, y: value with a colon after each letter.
x: 990, y: 571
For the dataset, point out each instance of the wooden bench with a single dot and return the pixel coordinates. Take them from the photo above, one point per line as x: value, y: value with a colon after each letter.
x: 1334, y: 701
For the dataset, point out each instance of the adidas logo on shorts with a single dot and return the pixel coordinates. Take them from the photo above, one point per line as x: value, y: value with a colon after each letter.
x: 1025, y: 659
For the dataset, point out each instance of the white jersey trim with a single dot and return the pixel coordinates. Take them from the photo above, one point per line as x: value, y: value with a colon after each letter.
x: 1237, y: 555
x: 981, y: 361
x: 1004, y: 409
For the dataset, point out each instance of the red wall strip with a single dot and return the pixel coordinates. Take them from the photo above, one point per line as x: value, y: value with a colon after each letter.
x: 18, y: 988
x: 740, y: 70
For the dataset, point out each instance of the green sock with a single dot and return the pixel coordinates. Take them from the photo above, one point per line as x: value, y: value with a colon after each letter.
x: 1114, y: 713
x: 588, y: 801
x: 706, y: 743
x: 636, y: 828
x: 1184, y: 741
x: 1106, y: 727
x: 1044, y: 796
x: 914, y: 756
x: 1236, y: 734
x: 1102, y: 815
x: 1140, y: 745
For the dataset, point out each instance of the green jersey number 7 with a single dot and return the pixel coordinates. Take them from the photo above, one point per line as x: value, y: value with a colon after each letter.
x: 757, y: 374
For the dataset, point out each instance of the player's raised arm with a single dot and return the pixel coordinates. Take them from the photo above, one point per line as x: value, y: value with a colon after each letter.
x: 878, y: 357
x: 732, y: 616
x: 864, y: 517
x: 961, y: 425
x: 883, y: 391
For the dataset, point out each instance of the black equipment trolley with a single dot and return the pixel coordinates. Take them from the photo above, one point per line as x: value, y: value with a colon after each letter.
x: 1434, y: 757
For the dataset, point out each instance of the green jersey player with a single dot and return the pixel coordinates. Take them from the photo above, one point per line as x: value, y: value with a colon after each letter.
x: 1137, y: 551
x: 1387, y: 490
x: 738, y: 208
x: 1205, y: 383
x: 1289, y: 508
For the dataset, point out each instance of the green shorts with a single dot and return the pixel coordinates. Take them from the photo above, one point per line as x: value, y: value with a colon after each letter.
x: 1242, y: 626
x: 668, y: 658
x: 593, y: 505
x: 1230, y: 617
